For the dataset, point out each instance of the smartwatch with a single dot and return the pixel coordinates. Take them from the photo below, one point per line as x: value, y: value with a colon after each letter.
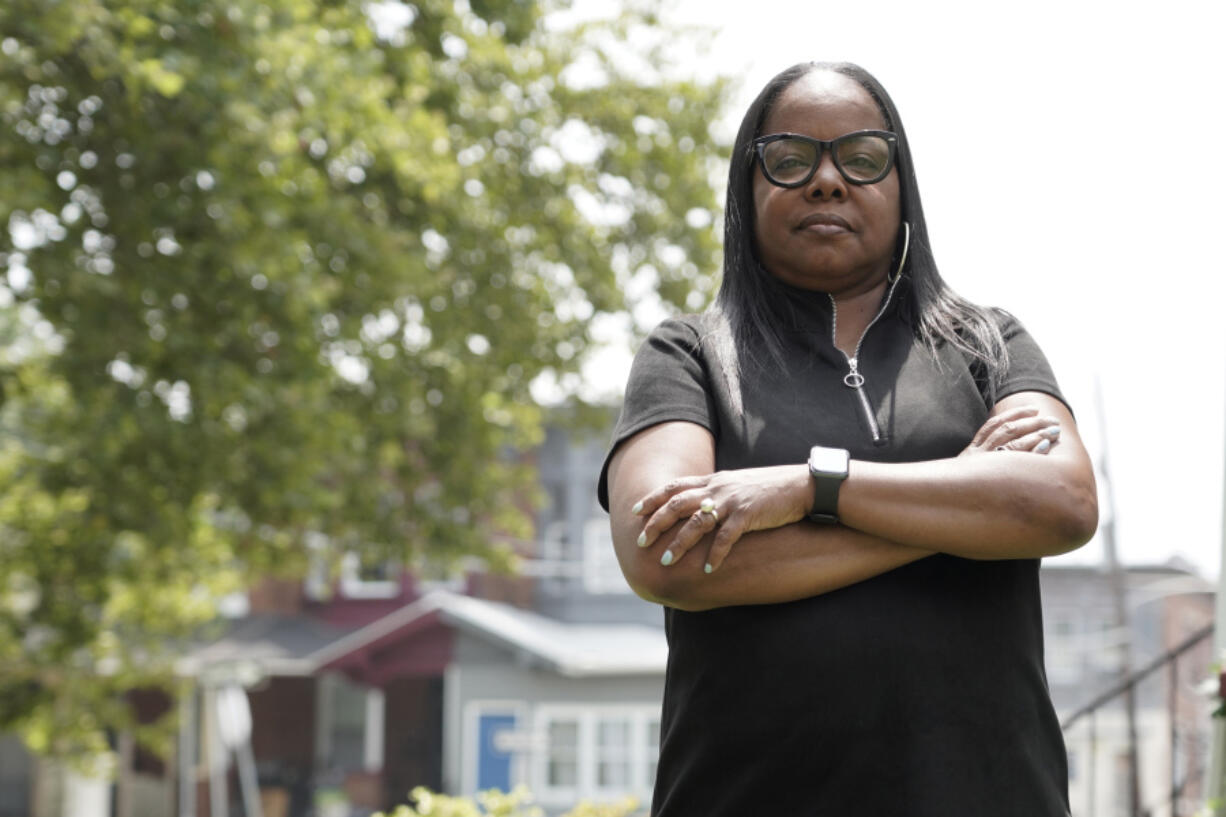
x: 828, y: 467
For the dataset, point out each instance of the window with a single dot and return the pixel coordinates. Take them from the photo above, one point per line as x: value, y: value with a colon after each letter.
x: 595, y: 752
x: 317, y: 584
x: 575, y: 542
x: 601, y: 572
x: 367, y: 579
x: 557, y: 563
x: 1105, y: 644
x: 553, y: 541
x: 552, y: 524
x: 360, y: 578
x: 349, y: 725
x: 562, y: 771
x: 348, y: 734
x: 1062, y: 649
x: 613, y: 753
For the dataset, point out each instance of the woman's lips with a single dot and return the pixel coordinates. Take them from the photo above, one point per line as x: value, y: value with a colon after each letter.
x: 824, y: 224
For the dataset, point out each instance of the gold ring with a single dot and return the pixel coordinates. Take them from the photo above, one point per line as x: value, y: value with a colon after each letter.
x: 708, y: 506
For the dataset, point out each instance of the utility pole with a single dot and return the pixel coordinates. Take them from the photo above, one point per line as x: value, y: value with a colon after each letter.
x: 1215, y: 790
x: 1118, y: 598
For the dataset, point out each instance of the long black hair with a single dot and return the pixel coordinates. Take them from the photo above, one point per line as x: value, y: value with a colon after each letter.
x: 748, y: 300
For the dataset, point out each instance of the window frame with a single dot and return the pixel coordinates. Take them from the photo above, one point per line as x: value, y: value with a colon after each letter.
x: 588, y: 718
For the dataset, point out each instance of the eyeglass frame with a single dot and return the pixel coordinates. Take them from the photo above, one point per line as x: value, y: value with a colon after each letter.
x: 825, y: 145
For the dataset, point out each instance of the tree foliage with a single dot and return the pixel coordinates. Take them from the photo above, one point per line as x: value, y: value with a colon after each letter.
x: 280, y: 273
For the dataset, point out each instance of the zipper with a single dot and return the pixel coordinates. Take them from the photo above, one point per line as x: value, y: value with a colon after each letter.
x: 854, y: 380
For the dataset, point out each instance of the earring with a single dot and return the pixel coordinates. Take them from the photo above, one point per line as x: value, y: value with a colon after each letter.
x: 906, y: 245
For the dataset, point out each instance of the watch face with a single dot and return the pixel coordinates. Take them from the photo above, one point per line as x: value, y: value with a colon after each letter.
x: 828, y: 460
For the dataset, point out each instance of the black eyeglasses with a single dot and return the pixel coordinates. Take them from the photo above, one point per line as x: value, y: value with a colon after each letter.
x: 862, y: 157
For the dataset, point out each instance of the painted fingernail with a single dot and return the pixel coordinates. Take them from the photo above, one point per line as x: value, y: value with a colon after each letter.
x: 1042, y: 447
x: 643, y: 539
x: 1051, y: 431
x: 667, y: 558
x: 638, y: 508
x: 707, y: 568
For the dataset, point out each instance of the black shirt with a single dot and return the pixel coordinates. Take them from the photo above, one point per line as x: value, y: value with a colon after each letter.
x: 918, y: 693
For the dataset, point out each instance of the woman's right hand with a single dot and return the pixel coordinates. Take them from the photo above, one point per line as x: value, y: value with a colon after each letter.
x: 1018, y: 429
x: 728, y: 503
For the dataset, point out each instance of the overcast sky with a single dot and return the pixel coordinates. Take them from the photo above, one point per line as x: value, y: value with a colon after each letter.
x: 1069, y: 159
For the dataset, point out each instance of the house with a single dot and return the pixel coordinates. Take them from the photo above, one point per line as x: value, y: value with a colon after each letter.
x: 1167, y: 606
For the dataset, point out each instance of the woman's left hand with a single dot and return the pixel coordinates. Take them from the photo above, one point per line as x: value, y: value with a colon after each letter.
x: 1020, y: 428
x: 732, y: 503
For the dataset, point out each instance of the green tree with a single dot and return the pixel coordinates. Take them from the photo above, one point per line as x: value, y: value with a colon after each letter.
x: 282, y: 272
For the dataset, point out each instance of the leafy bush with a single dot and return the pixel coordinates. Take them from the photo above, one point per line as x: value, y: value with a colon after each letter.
x: 494, y: 803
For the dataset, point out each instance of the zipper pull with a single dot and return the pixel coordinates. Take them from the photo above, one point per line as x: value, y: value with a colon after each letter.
x: 853, y: 379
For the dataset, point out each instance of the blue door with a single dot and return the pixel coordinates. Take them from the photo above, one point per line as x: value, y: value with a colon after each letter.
x: 493, y: 765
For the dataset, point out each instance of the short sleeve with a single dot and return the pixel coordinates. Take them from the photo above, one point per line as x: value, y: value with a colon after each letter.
x: 1028, y: 367
x: 669, y: 381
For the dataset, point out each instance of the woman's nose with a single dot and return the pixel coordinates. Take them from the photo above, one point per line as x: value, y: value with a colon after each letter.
x: 827, y: 181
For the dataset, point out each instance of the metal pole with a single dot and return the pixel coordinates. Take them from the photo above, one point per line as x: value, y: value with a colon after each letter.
x: 1118, y: 590
x: 126, y: 751
x: 247, y: 780
x: 219, y: 759
x: 1172, y: 703
x: 1217, y: 756
x: 187, y: 754
x: 1092, y: 765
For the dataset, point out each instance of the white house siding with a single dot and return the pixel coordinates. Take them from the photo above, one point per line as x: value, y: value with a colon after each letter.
x: 489, y: 679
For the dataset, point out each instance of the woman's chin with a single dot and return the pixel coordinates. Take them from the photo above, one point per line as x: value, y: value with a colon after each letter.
x: 832, y: 279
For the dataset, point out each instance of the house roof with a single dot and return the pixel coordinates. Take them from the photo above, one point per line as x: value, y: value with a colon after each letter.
x: 1174, y: 566
x: 303, y: 645
x: 1144, y: 582
x: 566, y: 648
x: 273, y: 645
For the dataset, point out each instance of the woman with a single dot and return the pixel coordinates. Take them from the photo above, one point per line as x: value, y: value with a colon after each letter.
x: 860, y: 635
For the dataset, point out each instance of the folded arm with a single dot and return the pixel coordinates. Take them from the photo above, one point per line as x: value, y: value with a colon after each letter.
x: 777, y: 564
x: 987, y: 504
x: 1000, y: 505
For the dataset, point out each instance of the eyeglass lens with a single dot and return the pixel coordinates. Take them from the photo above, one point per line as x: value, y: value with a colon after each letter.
x: 859, y: 157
